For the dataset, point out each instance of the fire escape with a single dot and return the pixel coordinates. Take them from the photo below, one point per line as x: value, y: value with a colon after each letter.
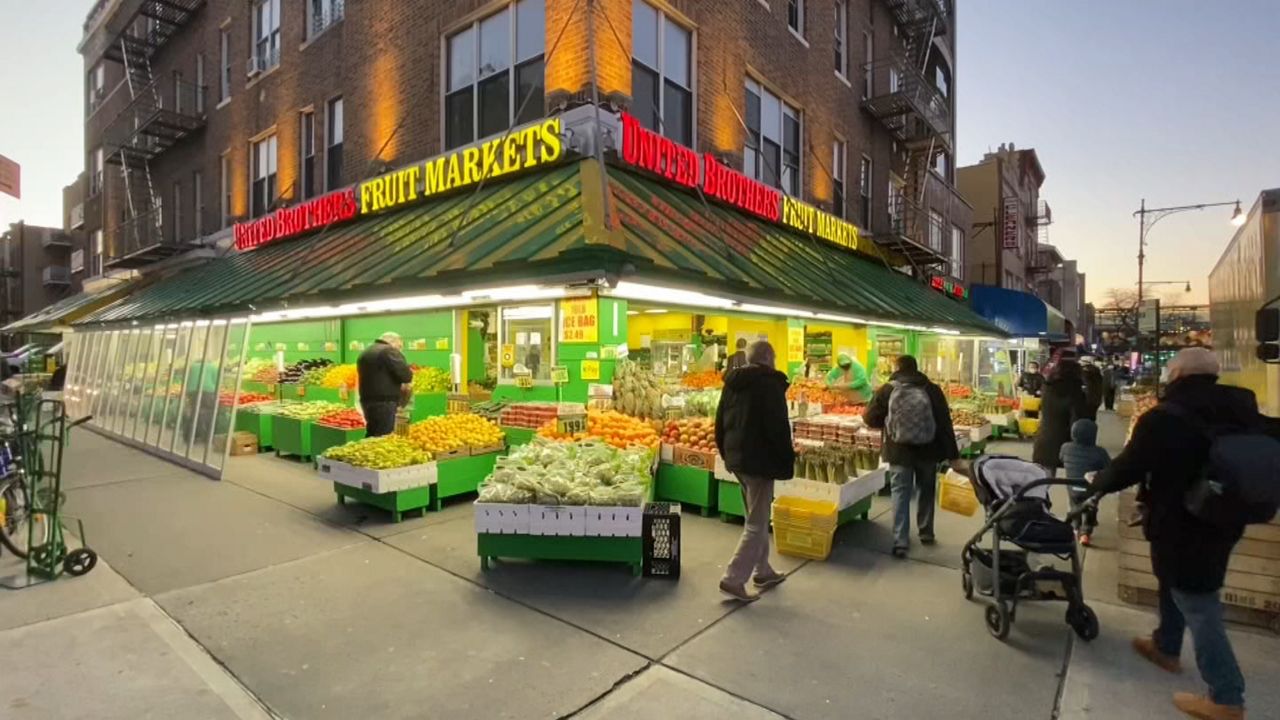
x: 918, y: 116
x: 159, y: 113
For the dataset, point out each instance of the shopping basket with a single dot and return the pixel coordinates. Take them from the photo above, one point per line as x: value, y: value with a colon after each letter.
x: 804, y: 528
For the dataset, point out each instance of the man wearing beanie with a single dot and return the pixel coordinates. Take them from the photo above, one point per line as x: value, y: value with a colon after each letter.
x: 1166, y: 454
x: 753, y: 435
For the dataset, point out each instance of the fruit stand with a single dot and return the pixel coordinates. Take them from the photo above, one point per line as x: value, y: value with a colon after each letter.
x: 337, y: 428
x: 291, y: 427
x: 386, y: 472
x: 686, y: 471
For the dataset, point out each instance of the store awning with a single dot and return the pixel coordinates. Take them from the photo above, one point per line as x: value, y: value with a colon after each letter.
x: 54, y: 317
x: 1018, y: 313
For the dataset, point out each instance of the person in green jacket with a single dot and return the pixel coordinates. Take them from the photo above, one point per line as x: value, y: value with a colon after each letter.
x: 850, y: 377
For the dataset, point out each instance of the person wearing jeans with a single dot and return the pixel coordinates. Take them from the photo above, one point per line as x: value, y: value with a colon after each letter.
x: 1202, y: 613
x: 903, y: 479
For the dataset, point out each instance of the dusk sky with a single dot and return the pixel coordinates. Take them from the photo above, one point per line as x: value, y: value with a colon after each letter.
x: 1172, y: 100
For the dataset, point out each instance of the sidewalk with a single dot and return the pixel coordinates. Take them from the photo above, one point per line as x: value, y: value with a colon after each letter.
x: 260, y: 596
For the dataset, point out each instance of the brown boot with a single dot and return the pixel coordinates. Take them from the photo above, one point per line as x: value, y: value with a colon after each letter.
x: 1201, y: 707
x: 1146, y: 647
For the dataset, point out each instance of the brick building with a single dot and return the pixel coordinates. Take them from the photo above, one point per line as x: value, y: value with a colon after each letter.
x: 1008, y: 218
x: 35, y: 270
x: 203, y: 112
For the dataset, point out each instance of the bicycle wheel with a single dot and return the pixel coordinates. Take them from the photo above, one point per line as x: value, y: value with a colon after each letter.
x: 21, y: 528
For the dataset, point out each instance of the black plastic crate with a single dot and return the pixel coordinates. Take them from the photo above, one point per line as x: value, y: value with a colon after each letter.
x: 661, y: 530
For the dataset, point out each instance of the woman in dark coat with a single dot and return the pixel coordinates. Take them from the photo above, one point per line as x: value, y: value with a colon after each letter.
x: 1093, y: 389
x: 1062, y: 403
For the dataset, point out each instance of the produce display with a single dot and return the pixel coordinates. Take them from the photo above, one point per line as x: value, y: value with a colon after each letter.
x: 858, y: 410
x: 1007, y: 404
x: 528, y: 415
x: 703, y: 403
x: 343, y: 419
x: 577, y: 473
x: 609, y: 426
x: 958, y: 391
x: 446, y: 433
x: 340, y: 376
x: 703, y: 380
x: 263, y: 374
x: 814, y: 391
x: 834, y: 464
x: 295, y: 372
x: 961, y: 417
x: 255, y: 366
x: 229, y: 399
x: 308, y: 410
x: 696, y: 433
x: 637, y: 391
x: 841, y: 429
x: 490, y: 409
x: 380, y: 453
x: 430, y: 380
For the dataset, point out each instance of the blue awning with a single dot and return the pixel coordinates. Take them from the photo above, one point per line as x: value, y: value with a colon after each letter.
x: 1018, y: 313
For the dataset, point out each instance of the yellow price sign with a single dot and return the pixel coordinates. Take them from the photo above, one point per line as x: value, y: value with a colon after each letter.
x: 281, y: 347
x: 331, y: 347
x: 524, y: 381
x: 302, y: 391
x: 795, y: 344
x: 442, y: 343
x: 508, y: 356
x: 590, y: 370
x: 420, y: 344
x: 356, y: 345
x: 579, y: 320
x: 559, y: 374
x: 304, y: 347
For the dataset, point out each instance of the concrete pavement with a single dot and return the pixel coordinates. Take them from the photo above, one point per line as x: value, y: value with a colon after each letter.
x: 260, y: 596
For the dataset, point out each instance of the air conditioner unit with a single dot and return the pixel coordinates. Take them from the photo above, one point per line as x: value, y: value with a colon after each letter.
x: 254, y: 66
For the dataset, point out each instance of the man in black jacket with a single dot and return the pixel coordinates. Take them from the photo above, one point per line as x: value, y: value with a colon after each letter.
x: 913, y: 464
x: 753, y: 434
x: 384, y: 381
x: 1165, y: 455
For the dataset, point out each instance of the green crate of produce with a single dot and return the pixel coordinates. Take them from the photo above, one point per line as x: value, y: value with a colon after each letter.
x: 257, y: 423
x: 324, y: 437
x: 396, y: 502
x: 729, y: 500
x: 629, y: 550
x: 679, y: 483
x: 334, y: 395
x: 518, y: 436
x: 428, y: 405
x: 463, y: 475
x: 291, y: 437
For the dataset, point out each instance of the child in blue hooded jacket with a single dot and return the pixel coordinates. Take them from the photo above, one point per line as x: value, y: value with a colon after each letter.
x: 1082, y: 455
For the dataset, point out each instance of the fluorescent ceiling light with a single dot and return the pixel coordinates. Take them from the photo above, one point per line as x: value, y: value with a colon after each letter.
x: 413, y: 302
x: 633, y: 312
x: 527, y: 312
x: 669, y: 296
x: 656, y: 311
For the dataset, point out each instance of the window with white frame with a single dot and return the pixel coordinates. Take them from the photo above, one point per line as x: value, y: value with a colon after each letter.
x: 528, y: 328
x: 95, y: 172
x: 936, y: 226
x: 177, y: 212
x: 95, y: 255
x: 224, y: 64
x: 942, y: 165
x: 333, y: 145
x: 495, y: 73
x: 957, y: 252
x: 795, y: 16
x: 224, y: 190
x: 307, y: 154
x: 868, y: 57
x: 323, y: 13
x: 838, y: 177
x: 263, y: 189
x: 97, y: 86
x: 864, y: 192
x: 266, y: 35
x: 661, y: 73
x: 841, y: 37
x: 772, y: 153
x: 199, y: 89
x: 197, y: 201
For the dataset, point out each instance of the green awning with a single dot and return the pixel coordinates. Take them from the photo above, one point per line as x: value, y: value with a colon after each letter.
x: 52, y: 318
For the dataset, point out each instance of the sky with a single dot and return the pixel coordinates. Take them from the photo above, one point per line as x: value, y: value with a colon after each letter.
x: 1172, y: 100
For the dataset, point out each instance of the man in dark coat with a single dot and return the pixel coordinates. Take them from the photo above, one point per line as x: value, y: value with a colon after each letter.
x: 1110, y: 383
x: 1165, y: 455
x: 1061, y: 405
x: 913, y: 464
x: 1032, y: 382
x: 753, y: 434
x: 384, y: 381
x: 1092, y: 388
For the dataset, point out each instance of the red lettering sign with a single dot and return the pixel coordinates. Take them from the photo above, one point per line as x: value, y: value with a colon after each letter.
x: 335, y: 207
x: 650, y: 151
x: 734, y: 188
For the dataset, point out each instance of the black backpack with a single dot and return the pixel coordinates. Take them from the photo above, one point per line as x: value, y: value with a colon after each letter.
x: 1240, y: 481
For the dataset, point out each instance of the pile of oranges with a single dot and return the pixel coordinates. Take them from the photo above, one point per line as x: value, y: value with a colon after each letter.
x: 702, y: 380
x: 611, y: 427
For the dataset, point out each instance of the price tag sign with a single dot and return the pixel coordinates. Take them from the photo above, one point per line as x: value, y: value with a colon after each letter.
x: 456, y: 404
x: 524, y: 380
x: 271, y: 388
x: 356, y: 345
x: 343, y: 393
x: 442, y: 343
x: 260, y: 347
x: 590, y: 370
x: 419, y: 344
x: 559, y: 374
x: 331, y: 347
x: 281, y: 347
x: 302, y: 391
x: 304, y: 347
x: 508, y: 355
x: 572, y: 424
x: 608, y: 352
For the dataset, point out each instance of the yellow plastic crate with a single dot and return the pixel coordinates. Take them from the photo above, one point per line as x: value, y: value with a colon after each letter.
x: 1030, y: 403
x: 804, y: 528
x: 1028, y: 426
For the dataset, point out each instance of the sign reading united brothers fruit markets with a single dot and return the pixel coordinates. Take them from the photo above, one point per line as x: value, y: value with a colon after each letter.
x: 650, y: 151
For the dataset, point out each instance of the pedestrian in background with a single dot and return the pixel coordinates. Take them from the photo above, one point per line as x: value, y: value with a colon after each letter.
x: 1093, y: 390
x: 1165, y: 456
x: 1061, y: 405
x: 1080, y: 457
x: 753, y: 434
x: 739, y: 357
x: 913, y: 413
x: 386, y: 383
x: 1032, y: 382
x: 1110, y: 378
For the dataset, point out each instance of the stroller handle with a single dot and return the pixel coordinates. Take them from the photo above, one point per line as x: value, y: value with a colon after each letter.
x: 1084, y: 484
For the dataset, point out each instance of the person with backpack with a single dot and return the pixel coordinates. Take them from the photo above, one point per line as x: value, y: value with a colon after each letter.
x: 1205, y: 467
x: 913, y: 413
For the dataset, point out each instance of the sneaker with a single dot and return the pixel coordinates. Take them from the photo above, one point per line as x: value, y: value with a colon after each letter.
x: 1086, y: 539
x: 1146, y: 647
x: 1201, y: 707
x: 769, y: 581
x: 737, y: 592
x: 900, y: 552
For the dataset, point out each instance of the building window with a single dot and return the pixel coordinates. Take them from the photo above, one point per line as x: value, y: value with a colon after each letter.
x: 323, y: 13
x: 177, y: 212
x: 264, y: 175
x: 864, y: 192
x: 333, y: 145
x: 942, y: 80
x: 896, y: 205
x: 97, y: 86
x: 496, y: 74
x: 95, y: 255
x: 837, y: 178
x: 95, y: 172
x: 957, y: 252
x: 529, y: 329
x: 942, y: 165
x: 307, y: 147
x: 661, y: 73
x: 936, y: 227
x: 868, y: 58
x: 842, y: 33
x: 197, y: 201
x: 266, y: 36
x: 224, y: 65
x: 199, y: 89
x: 224, y: 189
x: 772, y: 153
x: 177, y: 91
x: 795, y: 16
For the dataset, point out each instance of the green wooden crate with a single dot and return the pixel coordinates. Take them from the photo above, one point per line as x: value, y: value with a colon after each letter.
x: 729, y: 500
x: 397, y: 503
x: 518, y: 436
x: 546, y: 547
x: 678, y: 483
x: 324, y: 437
x: 462, y: 475
x: 259, y: 424
x: 428, y: 405
x: 291, y: 437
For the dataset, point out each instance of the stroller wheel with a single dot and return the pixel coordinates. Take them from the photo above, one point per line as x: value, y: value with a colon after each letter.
x: 1083, y: 620
x: 966, y: 582
x: 999, y: 621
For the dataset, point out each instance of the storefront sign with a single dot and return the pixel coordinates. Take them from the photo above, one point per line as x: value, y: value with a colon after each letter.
x: 740, y: 191
x: 1011, y: 228
x: 949, y: 287
x: 521, y: 149
x: 287, y: 222
x: 579, y: 320
x: 795, y: 344
x: 508, y: 356
x: 655, y: 153
x: 809, y: 219
x: 590, y: 370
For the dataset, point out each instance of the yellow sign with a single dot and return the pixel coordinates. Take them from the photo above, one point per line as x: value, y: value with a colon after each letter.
x: 304, y: 347
x: 521, y: 149
x: 260, y: 347
x: 609, y: 352
x: 590, y: 370
x: 281, y: 347
x: 579, y: 320
x: 442, y: 343
x: 508, y: 355
x: 559, y: 374
x: 524, y: 380
x: 302, y: 391
x: 419, y: 344
x: 331, y: 347
x: 809, y: 219
x: 795, y: 344
x: 356, y: 345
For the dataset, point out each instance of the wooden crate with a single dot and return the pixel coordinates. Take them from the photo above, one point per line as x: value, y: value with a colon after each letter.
x: 244, y: 443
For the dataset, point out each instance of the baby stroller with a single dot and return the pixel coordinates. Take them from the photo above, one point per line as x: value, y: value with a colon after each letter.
x: 1015, y: 494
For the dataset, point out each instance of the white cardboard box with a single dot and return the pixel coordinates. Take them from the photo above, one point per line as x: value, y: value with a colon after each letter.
x: 844, y: 495
x: 502, y: 519
x: 377, y: 481
x: 610, y: 521
x: 722, y: 472
x: 570, y: 520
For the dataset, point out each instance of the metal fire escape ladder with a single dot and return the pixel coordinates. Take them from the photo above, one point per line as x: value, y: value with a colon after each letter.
x: 135, y: 168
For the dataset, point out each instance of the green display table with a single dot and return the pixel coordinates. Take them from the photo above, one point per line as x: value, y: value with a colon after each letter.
x: 396, y: 503
x: 428, y: 405
x: 518, y: 436
x: 729, y: 500
x: 291, y: 437
x: 461, y: 476
x: 860, y: 510
x: 257, y: 423
x: 333, y: 395
x: 324, y: 437
x: 682, y: 484
x: 627, y: 550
